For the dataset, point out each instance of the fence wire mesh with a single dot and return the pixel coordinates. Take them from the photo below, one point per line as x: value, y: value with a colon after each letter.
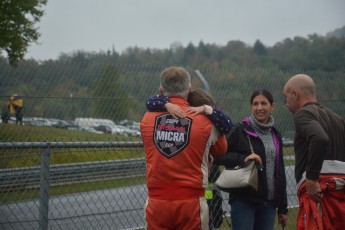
x: 71, y: 155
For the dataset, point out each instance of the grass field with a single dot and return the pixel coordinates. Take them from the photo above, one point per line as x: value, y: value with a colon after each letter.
x: 13, y: 158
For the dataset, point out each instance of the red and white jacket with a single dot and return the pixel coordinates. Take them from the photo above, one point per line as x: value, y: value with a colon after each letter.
x: 330, y: 212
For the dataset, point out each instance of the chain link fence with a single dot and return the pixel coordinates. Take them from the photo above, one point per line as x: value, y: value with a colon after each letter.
x: 71, y: 155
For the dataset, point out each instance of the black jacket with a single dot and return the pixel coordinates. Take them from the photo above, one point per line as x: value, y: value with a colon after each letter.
x: 239, y: 149
x: 320, y: 135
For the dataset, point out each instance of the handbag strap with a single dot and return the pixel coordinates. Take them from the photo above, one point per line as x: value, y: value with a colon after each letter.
x: 250, y: 144
x: 258, y: 166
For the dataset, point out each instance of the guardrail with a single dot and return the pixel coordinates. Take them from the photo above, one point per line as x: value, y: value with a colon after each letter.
x: 16, y: 179
x: 29, y: 177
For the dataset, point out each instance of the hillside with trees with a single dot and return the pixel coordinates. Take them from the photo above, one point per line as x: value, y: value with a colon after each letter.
x: 114, y: 86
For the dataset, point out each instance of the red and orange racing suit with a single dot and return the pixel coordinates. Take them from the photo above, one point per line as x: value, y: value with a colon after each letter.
x: 329, y: 214
x: 177, y: 152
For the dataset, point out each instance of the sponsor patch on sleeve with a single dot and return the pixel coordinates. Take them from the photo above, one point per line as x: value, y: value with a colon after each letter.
x: 171, y: 135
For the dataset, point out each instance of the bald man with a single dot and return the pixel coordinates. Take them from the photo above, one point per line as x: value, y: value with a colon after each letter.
x: 319, y: 146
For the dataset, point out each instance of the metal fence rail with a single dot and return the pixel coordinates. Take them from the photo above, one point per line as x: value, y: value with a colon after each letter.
x: 28, y: 178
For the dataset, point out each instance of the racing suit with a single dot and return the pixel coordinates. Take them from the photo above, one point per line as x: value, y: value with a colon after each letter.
x: 177, y: 152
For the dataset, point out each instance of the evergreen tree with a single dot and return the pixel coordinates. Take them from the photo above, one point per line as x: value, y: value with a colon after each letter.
x: 259, y: 49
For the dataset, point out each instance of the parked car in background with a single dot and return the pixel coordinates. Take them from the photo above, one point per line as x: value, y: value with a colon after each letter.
x: 103, y: 128
x: 94, y: 125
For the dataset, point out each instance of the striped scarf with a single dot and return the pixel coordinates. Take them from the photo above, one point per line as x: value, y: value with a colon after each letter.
x: 264, y: 131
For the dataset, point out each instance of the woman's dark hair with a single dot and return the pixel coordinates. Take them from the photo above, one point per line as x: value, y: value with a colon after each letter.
x: 263, y: 92
x: 199, y: 97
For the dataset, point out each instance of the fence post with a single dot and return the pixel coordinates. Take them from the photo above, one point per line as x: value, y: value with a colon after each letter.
x: 203, y: 80
x: 44, y: 189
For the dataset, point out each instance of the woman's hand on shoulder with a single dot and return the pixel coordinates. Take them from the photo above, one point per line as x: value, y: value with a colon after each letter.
x: 175, y: 110
x: 195, y: 110
x: 205, y: 109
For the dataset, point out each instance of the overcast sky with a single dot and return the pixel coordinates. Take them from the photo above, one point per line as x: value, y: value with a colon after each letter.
x: 99, y: 25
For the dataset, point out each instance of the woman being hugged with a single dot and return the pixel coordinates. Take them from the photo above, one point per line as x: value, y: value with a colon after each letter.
x: 251, y: 209
x: 201, y: 101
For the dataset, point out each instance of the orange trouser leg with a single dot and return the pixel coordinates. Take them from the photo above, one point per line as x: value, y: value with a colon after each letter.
x: 191, y: 214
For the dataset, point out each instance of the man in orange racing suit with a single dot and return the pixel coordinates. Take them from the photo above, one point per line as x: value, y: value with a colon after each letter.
x: 177, y: 153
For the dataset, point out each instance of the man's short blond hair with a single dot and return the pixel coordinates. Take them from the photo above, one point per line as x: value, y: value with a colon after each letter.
x: 175, y: 81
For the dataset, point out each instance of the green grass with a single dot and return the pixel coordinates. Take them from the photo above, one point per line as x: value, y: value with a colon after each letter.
x: 13, y: 158
x: 288, y: 151
x: 289, y: 162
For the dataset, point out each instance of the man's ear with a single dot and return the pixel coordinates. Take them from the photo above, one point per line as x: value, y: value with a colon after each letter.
x: 189, y: 89
x: 160, y: 91
x: 295, y: 94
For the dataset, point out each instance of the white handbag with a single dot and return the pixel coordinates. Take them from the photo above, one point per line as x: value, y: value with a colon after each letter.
x: 239, y: 176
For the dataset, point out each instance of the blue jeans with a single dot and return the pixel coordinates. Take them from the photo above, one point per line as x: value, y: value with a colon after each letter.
x: 248, y: 216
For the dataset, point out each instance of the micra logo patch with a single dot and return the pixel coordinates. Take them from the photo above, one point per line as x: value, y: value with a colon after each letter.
x: 171, y: 135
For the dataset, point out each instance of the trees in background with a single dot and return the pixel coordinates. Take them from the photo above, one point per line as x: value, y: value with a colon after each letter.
x: 109, y: 96
x: 114, y: 86
x: 17, y: 26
